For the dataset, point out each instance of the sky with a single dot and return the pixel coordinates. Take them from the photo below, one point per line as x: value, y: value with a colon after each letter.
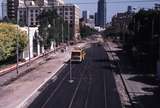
x: 112, y: 8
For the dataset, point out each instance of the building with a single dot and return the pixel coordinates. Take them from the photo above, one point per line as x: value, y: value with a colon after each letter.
x: 12, y: 7
x: 91, y: 21
x: 85, y: 15
x: 96, y: 19
x: 55, y: 2
x: 70, y: 13
x: 102, y: 13
x: 3, y: 10
x: 157, y: 7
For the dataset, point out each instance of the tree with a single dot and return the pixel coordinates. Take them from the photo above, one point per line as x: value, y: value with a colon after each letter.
x: 144, y: 26
x: 54, y: 32
x: 86, y: 30
x: 8, y: 39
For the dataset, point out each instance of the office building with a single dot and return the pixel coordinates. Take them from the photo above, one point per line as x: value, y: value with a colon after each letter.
x: 12, y: 6
x: 85, y: 15
x: 70, y: 13
x: 102, y: 13
x: 96, y: 19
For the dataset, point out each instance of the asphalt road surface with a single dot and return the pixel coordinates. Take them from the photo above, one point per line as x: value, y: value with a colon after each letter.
x: 93, y: 86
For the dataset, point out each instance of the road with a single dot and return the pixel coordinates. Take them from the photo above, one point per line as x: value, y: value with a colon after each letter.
x: 93, y: 86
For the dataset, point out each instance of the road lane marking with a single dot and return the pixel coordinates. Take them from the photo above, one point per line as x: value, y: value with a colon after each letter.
x: 77, y: 87
x: 24, y: 103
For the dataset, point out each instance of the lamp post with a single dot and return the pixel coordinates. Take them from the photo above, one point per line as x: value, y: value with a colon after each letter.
x: 70, y: 69
x: 27, y: 15
x: 17, y: 50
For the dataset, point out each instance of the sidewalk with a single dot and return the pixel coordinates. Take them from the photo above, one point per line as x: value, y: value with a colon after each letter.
x: 142, y: 88
x: 19, y: 91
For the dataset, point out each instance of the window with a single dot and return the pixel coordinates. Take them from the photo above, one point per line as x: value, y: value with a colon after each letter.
x: 66, y: 9
x: 31, y: 11
x: 66, y: 13
x: 31, y: 23
x: 71, y: 13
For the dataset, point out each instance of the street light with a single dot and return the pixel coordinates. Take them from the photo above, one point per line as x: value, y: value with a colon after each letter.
x: 27, y: 15
x: 70, y: 69
x: 17, y: 50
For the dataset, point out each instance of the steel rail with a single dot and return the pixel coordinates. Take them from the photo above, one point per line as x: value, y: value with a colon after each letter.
x: 78, y: 86
x: 57, y: 88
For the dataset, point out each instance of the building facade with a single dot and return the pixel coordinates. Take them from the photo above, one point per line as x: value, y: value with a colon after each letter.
x: 55, y: 2
x: 12, y: 6
x: 85, y: 15
x: 102, y: 13
x: 70, y: 13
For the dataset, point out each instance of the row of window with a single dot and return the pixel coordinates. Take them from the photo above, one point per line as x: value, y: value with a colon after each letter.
x: 66, y: 9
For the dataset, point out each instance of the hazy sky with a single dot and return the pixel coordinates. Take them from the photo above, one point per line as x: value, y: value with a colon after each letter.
x: 113, y: 8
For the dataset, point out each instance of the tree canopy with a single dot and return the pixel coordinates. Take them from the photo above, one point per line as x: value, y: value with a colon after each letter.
x: 8, y: 38
x: 54, y: 32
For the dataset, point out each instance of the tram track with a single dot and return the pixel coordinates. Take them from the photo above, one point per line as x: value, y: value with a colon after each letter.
x: 90, y: 89
x: 85, y: 72
x: 60, y: 84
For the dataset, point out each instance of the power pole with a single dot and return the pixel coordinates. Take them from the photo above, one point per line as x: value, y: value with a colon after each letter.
x: 17, y: 50
x: 62, y: 34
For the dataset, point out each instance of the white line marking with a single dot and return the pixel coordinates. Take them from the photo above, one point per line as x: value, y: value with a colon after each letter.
x: 24, y: 103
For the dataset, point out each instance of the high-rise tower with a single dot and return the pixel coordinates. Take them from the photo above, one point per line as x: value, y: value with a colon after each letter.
x: 12, y: 6
x: 102, y: 13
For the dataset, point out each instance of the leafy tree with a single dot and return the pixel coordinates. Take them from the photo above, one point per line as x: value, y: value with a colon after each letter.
x: 144, y: 26
x: 86, y: 31
x: 54, y: 32
x: 8, y: 38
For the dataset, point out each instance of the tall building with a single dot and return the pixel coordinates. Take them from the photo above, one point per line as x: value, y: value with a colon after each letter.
x: 12, y: 6
x: 96, y: 19
x: 71, y: 14
x: 85, y: 15
x: 3, y: 9
x: 102, y: 13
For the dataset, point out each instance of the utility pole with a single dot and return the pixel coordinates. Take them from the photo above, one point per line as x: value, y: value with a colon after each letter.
x: 70, y: 69
x: 62, y: 34
x: 68, y: 32
x: 17, y: 50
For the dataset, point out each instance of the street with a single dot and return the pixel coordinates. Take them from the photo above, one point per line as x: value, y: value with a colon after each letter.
x: 93, y: 87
